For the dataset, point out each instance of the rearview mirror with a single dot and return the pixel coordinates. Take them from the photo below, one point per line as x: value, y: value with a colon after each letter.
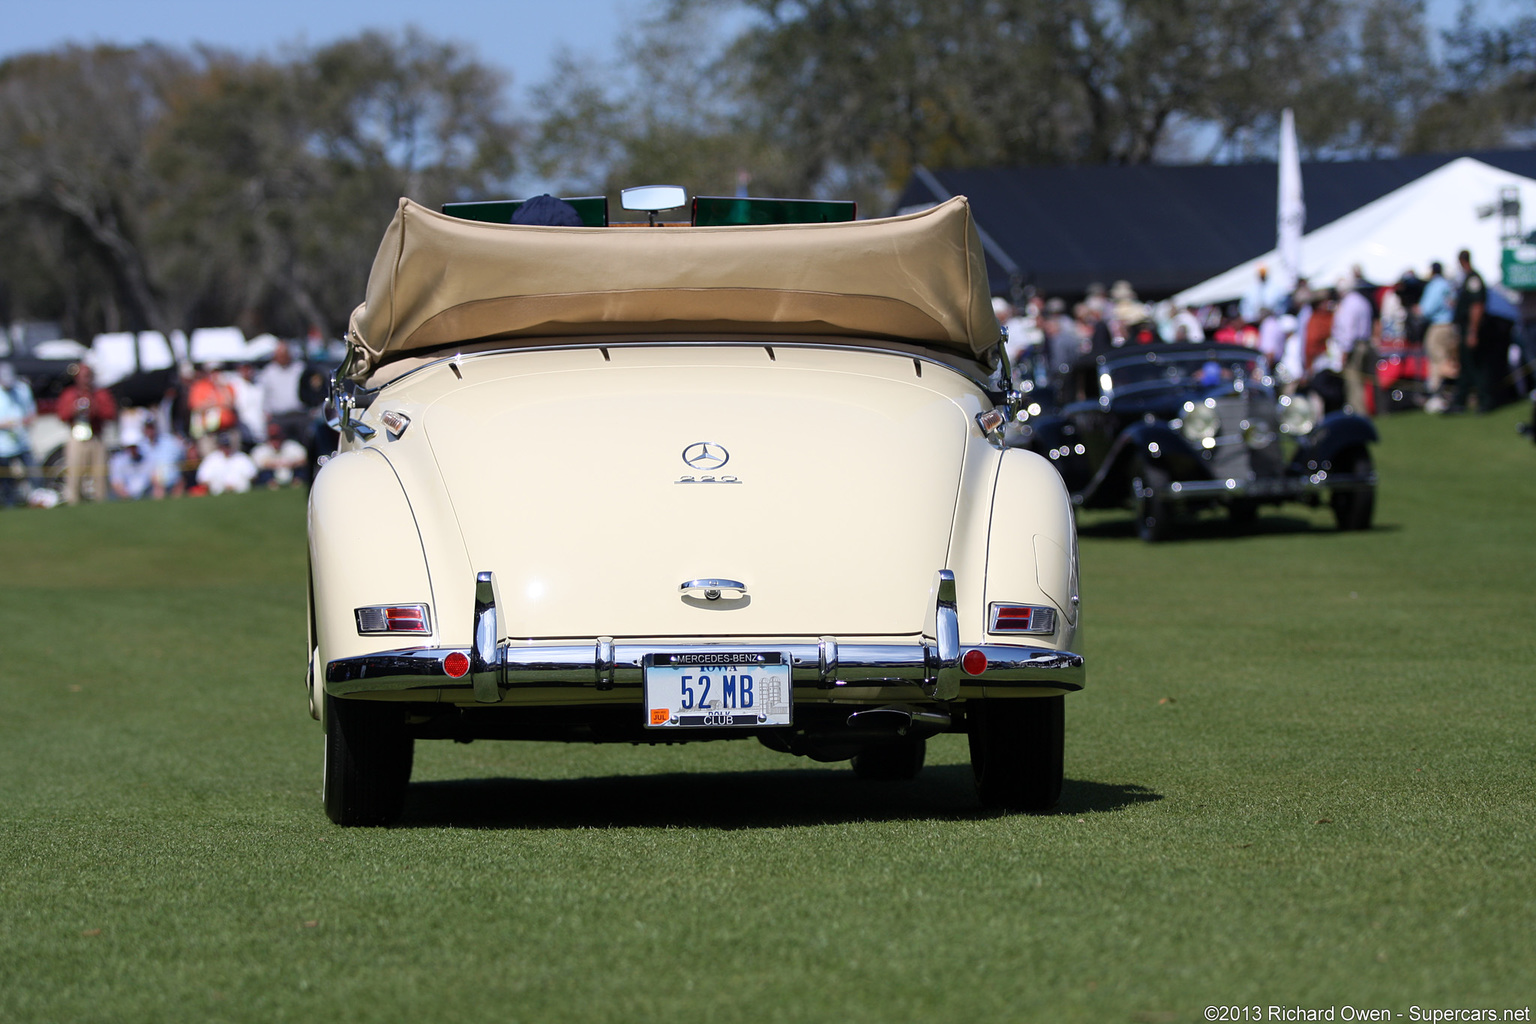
x: 653, y: 198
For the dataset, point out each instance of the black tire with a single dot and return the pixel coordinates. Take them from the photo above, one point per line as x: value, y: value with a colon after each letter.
x: 368, y: 756
x: 1353, y: 509
x: 1016, y: 751
x: 1153, y: 514
x: 895, y: 761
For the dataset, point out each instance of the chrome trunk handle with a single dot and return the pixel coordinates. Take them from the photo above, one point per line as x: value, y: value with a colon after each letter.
x: 711, y: 589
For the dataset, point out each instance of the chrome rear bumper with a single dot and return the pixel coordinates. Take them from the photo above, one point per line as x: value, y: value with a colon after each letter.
x: 604, y: 665
x: 491, y: 667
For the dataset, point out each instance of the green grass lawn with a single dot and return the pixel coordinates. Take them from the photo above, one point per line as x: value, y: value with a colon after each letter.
x: 1301, y: 775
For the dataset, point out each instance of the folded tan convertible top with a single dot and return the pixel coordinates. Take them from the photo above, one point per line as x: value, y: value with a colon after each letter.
x: 439, y: 281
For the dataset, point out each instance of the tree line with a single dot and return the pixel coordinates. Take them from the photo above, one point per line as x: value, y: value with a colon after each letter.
x: 151, y: 187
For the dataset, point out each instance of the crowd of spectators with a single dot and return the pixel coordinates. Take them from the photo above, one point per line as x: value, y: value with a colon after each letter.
x: 1478, y: 345
x: 231, y: 428
x: 215, y: 429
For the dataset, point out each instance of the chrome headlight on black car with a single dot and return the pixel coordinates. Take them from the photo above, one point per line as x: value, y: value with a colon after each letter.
x: 1296, y: 416
x: 1200, y: 422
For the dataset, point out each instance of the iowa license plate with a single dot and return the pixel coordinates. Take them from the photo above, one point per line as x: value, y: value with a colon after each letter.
x: 709, y: 690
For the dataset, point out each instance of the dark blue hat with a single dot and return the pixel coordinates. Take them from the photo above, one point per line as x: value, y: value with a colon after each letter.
x: 548, y: 211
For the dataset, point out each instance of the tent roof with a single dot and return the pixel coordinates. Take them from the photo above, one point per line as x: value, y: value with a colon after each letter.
x: 1430, y: 219
x: 439, y: 281
x: 1163, y: 228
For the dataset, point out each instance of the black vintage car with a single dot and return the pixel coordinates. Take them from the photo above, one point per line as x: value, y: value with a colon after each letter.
x: 1171, y: 428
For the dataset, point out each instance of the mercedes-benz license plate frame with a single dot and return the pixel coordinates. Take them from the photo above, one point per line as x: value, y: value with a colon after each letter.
x: 718, y: 690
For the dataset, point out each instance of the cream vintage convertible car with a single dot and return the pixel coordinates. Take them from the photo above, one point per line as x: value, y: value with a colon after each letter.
x: 658, y: 484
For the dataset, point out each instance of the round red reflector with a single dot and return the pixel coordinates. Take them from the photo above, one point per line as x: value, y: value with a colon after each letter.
x: 456, y: 664
x: 974, y: 662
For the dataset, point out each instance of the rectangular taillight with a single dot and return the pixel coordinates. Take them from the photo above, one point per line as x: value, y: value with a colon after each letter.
x: 1022, y: 618
x: 394, y: 618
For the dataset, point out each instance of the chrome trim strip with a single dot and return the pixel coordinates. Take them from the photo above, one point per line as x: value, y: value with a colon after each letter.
x: 485, y: 669
x: 908, y: 349
x: 575, y: 666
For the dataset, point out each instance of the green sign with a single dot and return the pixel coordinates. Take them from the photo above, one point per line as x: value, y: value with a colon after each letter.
x: 1520, y: 268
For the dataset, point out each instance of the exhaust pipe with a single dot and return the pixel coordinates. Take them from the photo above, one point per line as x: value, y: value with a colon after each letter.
x: 902, y: 719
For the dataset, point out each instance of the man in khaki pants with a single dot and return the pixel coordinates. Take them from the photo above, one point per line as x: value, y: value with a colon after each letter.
x: 1438, y: 308
x: 87, y: 409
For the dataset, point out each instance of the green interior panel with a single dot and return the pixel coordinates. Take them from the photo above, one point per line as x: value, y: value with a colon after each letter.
x: 714, y: 211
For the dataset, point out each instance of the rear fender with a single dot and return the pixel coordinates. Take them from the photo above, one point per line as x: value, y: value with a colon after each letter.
x: 364, y: 550
x: 1032, y: 545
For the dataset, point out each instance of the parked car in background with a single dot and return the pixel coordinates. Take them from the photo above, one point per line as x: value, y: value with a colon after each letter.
x: 1401, y: 372
x: 681, y: 483
x: 45, y: 362
x: 1169, y: 429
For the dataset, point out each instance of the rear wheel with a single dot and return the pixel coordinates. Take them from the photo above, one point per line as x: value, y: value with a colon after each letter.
x: 891, y: 762
x: 1153, y: 511
x: 1353, y: 509
x: 368, y: 756
x: 1016, y: 751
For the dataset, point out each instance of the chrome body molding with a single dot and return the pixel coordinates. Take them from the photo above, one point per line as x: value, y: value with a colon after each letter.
x: 361, y: 397
x: 604, y: 664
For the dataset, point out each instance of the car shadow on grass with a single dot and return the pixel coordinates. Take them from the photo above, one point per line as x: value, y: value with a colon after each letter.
x: 726, y: 800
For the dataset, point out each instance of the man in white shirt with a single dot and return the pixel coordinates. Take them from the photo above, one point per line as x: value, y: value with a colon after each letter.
x: 278, y: 458
x: 250, y: 403
x: 279, y: 383
x: 1352, y: 333
x: 226, y: 468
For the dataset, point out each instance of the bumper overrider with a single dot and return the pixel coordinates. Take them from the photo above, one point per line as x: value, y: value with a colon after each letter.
x: 936, y: 662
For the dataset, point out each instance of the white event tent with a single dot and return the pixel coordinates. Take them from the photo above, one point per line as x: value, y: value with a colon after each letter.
x: 115, y: 356
x: 1432, y: 218
x: 112, y: 356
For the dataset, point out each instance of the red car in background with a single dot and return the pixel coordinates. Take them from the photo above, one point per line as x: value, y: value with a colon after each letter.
x: 1401, y: 370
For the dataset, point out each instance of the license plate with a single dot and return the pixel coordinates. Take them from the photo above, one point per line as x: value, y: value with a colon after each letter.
x: 706, y: 690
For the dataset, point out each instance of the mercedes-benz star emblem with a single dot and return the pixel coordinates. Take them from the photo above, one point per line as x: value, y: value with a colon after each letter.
x: 705, y: 455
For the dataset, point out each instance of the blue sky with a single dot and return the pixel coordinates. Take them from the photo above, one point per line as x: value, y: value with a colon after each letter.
x: 519, y: 37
